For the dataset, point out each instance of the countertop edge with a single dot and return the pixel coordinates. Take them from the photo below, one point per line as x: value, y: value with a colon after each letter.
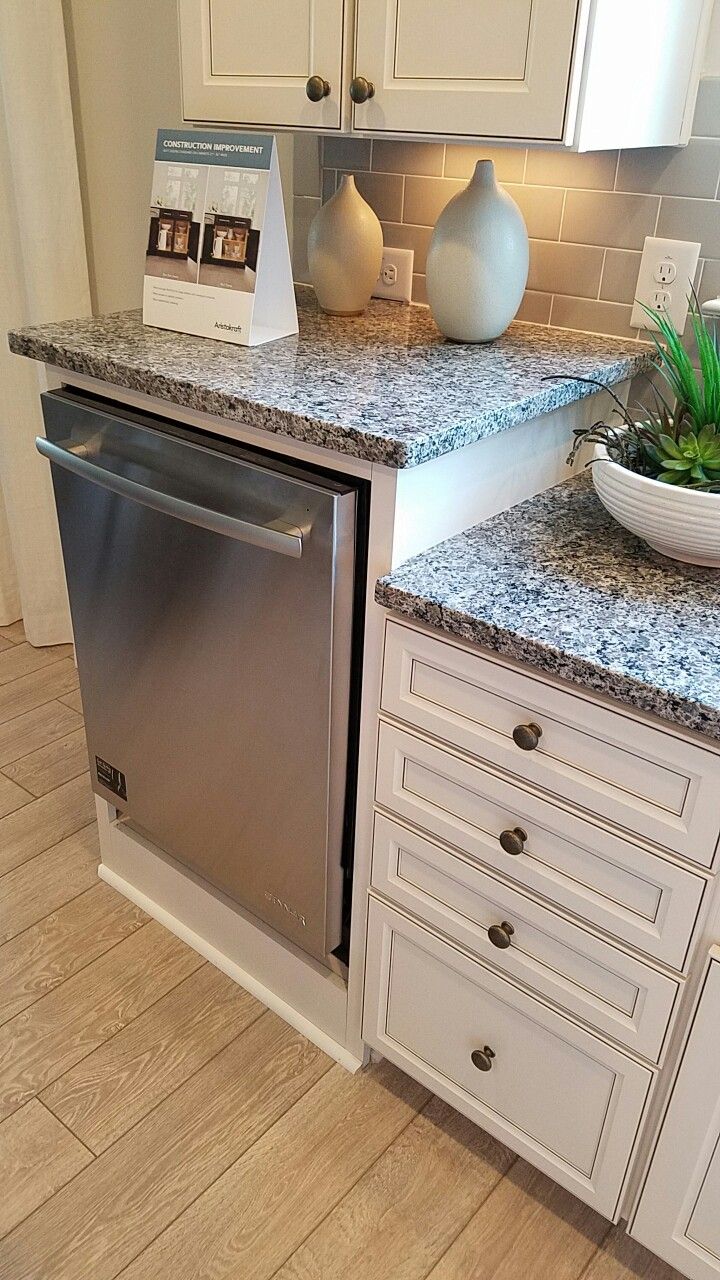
x: 233, y: 408
x: 577, y: 671
x: 384, y: 450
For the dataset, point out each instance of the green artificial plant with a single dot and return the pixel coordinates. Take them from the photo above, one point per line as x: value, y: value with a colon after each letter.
x: 677, y: 440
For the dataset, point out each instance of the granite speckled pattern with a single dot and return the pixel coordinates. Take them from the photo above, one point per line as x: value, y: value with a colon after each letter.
x: 556, y: 583
x: 386, y: 387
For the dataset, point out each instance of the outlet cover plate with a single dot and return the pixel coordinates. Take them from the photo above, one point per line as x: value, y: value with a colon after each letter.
x: 400, y: 290
x: 667, y: 271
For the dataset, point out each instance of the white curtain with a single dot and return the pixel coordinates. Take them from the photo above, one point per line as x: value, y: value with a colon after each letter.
x: 43, y: 277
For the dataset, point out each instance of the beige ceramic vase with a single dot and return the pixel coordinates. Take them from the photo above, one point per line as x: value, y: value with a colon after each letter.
x: 345, y: 245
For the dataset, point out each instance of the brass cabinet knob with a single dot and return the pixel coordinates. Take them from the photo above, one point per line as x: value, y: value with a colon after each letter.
x: 317, y: 89
x: 361, y: 89
x: 482, y: 1058
x: 513, y: 842
x: 500, y: 934
x: 527, y: 736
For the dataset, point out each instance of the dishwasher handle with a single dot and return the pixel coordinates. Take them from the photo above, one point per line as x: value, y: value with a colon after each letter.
x: 277, y: 536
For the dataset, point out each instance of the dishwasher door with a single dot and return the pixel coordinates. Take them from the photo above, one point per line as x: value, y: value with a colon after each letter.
x: 212, y: 594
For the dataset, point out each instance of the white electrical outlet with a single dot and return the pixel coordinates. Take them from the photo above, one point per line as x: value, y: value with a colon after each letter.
x: 396, y: 273
x: 665, y: 279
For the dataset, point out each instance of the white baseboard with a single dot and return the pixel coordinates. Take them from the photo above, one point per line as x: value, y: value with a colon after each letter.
x: 233, y: 970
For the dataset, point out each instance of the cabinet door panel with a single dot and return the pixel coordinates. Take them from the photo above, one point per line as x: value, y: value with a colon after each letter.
x: 242, y: 65
x: 466, y: 66
x: 562, y: 1098
x: 678, y: 1216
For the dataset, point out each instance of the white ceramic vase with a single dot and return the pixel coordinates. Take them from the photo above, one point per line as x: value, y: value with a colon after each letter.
x: 478, y: 260
x: 345, y: 245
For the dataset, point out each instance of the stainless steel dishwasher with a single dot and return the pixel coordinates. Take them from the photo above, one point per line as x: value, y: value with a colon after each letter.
x: 213, y: 596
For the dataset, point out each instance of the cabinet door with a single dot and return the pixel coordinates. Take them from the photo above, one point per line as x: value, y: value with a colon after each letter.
x: 466, y: 67
x: 244, y: 63
x: 679, y: 1212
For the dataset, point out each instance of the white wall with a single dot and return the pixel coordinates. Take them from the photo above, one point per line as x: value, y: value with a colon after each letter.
x: 125, y: 82
x: 712, y: 57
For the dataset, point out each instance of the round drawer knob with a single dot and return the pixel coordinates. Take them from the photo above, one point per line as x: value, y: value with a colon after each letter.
x: 527, y: 736
x: 500, y: 934
x: 317, y: 89
x: 482, y: 1058
x: 361, y: 89
x: 513, y: 842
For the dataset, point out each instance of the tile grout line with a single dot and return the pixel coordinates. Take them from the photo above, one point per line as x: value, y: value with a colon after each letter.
x: 68, y: 834
x: 475, y: 1211
x: 37, y: 1092
x: 14, y: 937
x: 67, y: 1128
x: 141, y: 1119
x: 51, y: 742
x: 119, y: 1274
x: 350, y: 1190
x: 97, y: 1156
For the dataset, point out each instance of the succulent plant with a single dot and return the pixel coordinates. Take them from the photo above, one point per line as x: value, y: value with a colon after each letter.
x: 692, y: 460
x: 675, y: 440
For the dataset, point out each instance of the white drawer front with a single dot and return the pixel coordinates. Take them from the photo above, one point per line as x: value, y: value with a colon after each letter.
x: 566, y: 1101
x: 604, y: 879
x: 587, y: 977
x: 643, y: 780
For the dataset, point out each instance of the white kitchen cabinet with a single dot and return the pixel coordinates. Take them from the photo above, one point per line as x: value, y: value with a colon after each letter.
x: 678, y: 1216
x: 546, y: 71
x: 244, y: 63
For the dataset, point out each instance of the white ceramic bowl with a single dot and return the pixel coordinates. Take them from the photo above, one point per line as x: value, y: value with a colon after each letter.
x: 680, y: 523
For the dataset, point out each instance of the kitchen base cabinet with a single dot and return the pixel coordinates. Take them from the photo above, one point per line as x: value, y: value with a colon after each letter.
x: 562, y: 1098
x: 678, y: 1216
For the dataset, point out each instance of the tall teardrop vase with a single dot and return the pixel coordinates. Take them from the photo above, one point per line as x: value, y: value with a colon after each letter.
x: 478, y: 260
x: 345, y: 245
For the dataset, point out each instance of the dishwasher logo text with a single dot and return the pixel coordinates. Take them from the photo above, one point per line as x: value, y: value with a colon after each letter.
x: 278, y: 902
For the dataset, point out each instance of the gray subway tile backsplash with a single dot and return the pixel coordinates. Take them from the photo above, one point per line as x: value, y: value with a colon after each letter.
x: 682, y: 219
x: 594, y: 170
x: 587, y: 214
x: 707, y: 112
x: 461, y: 158
x: 425, y: 198
x: 672, y: 171
x: 408, y: 157
x: 619, y: 277
x: 574, y: 269
x: 614, y: 220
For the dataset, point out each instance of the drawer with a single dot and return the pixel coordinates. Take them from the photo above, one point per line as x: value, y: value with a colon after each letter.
x: 602, y: 878
x: 613, y: 992
x: 565, y: 1100
x: 644, y: 780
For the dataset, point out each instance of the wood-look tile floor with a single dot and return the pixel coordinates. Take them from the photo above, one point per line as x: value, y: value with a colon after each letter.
x: 157, y: 1123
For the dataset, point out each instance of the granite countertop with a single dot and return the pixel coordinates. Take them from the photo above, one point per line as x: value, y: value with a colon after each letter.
x: 386, y: 387
x: 556, y: 583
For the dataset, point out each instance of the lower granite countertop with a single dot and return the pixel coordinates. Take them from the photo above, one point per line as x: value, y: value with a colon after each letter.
x: 385, y: 387
x: 556, y: 583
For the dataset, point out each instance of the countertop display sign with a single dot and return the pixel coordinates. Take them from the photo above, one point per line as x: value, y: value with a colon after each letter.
x: 217, y: 262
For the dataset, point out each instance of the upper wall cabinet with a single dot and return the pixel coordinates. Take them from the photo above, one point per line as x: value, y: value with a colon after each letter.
x: 586, y: 74
x: 275, y: 64
x: 466, y: 67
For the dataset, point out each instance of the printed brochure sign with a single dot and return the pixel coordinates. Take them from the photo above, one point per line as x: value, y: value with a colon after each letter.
x: 217, y: 262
